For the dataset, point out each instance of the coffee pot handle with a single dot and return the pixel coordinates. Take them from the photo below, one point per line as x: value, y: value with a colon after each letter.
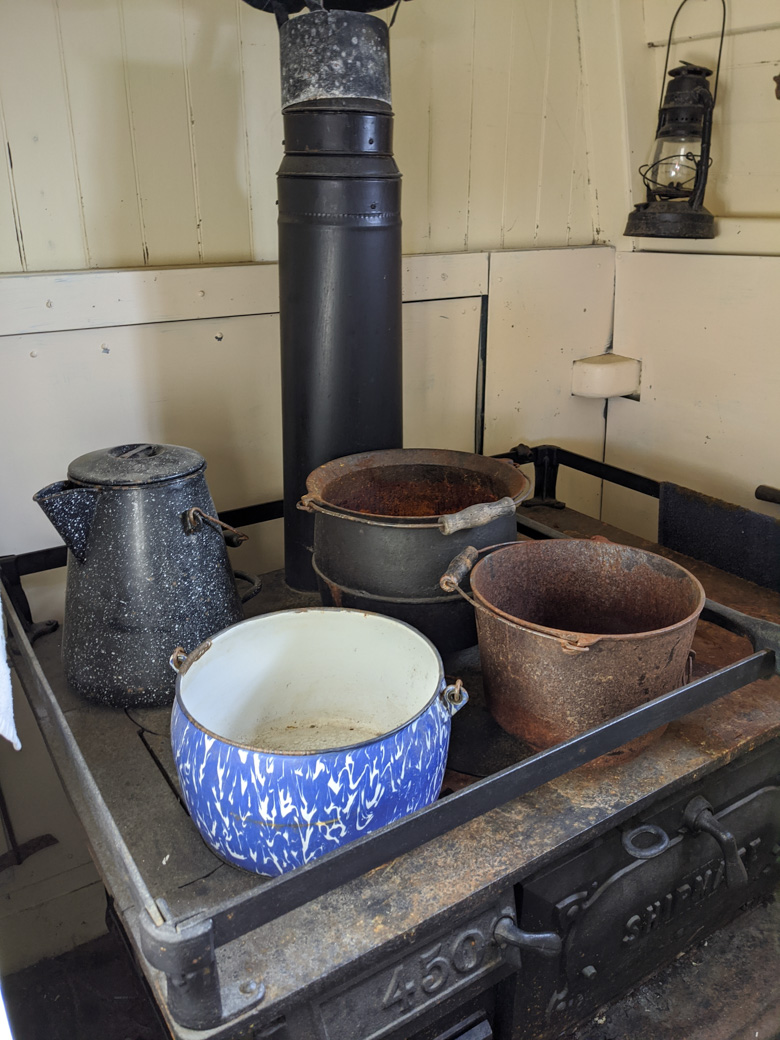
x: 255, y: 581
x: 193, y: 521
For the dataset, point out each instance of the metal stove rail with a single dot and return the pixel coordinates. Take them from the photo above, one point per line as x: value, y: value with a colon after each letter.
x: 184, y: 950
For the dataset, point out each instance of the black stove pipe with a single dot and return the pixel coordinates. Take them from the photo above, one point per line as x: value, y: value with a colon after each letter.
x: 339, y: 256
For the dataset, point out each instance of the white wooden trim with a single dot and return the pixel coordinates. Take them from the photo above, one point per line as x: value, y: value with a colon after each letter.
x: 444, y: 276
x: 103, y: 299
x: 734, y: 236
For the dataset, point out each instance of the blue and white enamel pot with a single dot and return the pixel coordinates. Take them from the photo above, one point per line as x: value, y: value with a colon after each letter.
x: 298, y: 731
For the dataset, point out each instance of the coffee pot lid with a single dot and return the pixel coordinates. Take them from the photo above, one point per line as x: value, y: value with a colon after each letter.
x: 129, y: 465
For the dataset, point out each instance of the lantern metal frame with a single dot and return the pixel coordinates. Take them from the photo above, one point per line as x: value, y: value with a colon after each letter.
x: 675, y: 212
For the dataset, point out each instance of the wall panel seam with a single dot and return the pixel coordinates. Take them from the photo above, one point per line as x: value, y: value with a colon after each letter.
x: 471, y: 123
x: 8, y: 160
x: 131, y: 124
x: 543, y: 134
x: 506, y: 127
x: 191, y: 131
x: 240, y: 9
x: 71, y: 133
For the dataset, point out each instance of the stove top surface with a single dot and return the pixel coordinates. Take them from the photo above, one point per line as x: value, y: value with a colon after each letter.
x: 315, y: 948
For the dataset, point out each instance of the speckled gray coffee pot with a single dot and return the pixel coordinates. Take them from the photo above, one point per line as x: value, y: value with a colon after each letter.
x: 145, y: 574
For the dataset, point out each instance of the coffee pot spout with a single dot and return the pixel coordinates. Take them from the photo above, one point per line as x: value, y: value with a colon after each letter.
x: 71, y: 508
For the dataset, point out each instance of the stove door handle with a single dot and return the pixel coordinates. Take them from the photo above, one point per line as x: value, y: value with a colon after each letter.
x: 699, y: 817
x: 513, y: 939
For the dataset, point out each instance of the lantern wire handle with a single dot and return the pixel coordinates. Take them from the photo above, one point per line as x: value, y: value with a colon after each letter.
x: 669, y: 47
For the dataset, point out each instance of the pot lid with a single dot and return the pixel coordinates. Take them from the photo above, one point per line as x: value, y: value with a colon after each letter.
x: 132, y: 464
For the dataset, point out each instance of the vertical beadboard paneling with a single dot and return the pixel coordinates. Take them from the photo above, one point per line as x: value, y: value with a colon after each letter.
x: 528, y: 69
x: 97, y: 93
x: 614, y: 64
x: 213, y: 60
x: 451, y: 54
x: 704, y: 16
x: 37, y: 121
x: 743, y: 179
x: 160, y: 120
x: 580, y: 219
x: 490, y: 114
x: 559, y: 161
x: 162, y: 131
x: 414, y: 117
x: 11, y: 254
x: 261, y: 102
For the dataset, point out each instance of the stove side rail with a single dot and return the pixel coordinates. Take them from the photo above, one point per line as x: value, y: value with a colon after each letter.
x: 732, y: 538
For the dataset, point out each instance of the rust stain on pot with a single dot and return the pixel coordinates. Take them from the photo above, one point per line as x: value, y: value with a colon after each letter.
x: 411, y: 491
x: 534, y: 597
x: 414, y: 483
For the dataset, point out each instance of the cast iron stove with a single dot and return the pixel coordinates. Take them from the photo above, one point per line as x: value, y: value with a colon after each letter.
x: 533, y: 891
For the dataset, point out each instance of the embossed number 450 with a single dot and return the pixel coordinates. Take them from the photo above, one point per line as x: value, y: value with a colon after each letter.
x: 401, y: 990
x: 467, y: 955
x: 436, y: 968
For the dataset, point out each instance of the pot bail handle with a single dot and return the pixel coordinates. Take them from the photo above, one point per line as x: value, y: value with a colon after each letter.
x: 454, y: 697
x: 180, y: 660
x: 177, y: 659
x: 458, y: 569
x: 461, y: 566
x: 194, y: 517
x: 309, y: 503
x: 476, y: 516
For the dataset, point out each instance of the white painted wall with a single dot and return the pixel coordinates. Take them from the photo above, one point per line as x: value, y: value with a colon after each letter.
x: 707, y: 329
x: 149, y: 133
x: 548, y: 308
x: 623, y: 45
x: 701, y: 315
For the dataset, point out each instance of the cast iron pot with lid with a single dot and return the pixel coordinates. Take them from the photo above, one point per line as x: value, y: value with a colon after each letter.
x: 147, y: 568
x: 298, y: 731
x: 387, y: 523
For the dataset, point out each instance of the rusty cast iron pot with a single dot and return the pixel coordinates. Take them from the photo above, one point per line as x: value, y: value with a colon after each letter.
x: 387, y: 523
x: 574, y: 632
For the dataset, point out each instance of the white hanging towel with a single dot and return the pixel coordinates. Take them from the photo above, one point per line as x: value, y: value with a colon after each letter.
x: 7, y: 727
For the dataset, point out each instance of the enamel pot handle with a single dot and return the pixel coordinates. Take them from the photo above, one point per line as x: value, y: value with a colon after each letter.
x: 454, y: 697
x: 180, y: 660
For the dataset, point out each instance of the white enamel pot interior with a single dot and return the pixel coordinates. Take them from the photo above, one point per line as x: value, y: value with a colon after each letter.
x: 294, y: 733
x: 301, y: 682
